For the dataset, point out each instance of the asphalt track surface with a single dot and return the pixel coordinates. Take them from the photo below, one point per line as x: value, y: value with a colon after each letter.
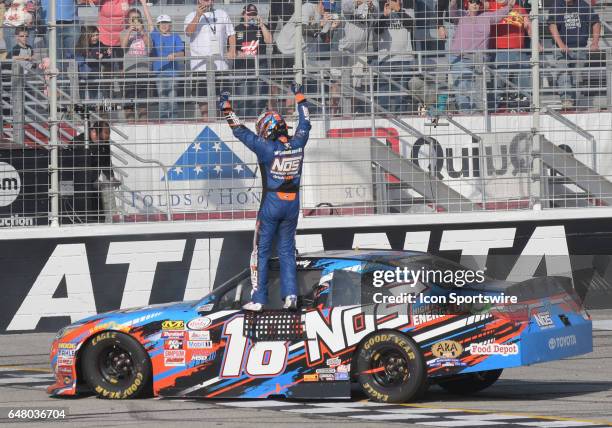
x: 575, y: 392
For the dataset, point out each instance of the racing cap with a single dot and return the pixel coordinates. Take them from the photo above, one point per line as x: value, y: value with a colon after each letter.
x: 250, y: 9
x: 163, y: 18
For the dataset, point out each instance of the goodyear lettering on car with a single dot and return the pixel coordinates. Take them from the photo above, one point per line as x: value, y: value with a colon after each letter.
x: 402, y: 343
x: 121, y: 394
x: 374, y: 340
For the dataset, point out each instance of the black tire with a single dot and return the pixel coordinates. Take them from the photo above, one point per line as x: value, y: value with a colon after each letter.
x: 116, y: 366
x: 390, y: 368
x: 471, y: 382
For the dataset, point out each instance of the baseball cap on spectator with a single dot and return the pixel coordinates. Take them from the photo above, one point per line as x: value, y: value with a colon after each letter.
x: 329, y: 6
x: 163, y: 18
x: 250, y: 9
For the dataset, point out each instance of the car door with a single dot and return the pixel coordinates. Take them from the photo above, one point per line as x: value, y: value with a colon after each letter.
x: 250, y: 368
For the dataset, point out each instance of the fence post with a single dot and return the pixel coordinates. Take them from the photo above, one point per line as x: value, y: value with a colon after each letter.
x: 535, y: 190
x: 485, y: 101
x: 609, y: 77
x: 211, y: 76
x: 17, y: 101
x: 298, y: 66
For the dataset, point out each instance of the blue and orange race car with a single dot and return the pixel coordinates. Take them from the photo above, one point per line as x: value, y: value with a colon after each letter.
x: 365, y: 316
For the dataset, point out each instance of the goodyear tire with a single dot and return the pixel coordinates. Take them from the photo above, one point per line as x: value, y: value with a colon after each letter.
x: 116, y: 366
x: 471, y: 382
x: 390, y: 368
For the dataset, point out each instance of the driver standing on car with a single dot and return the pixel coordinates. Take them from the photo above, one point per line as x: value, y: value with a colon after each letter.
x: 280, y: 159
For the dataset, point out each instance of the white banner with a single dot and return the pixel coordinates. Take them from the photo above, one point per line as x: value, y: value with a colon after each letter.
x: 210, y: 171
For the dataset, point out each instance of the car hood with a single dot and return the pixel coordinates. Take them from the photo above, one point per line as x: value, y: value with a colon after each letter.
x: 123, y: 315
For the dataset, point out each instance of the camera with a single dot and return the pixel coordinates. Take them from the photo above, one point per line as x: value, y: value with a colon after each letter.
x: 335, y: 17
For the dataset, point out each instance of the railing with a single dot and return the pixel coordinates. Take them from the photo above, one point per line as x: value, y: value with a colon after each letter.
x: 402, y: 88
x: 434, y: 133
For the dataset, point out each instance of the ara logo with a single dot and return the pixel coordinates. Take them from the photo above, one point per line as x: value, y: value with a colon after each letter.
x: 10, y: 184
x: 447, y: 349
x: 208, y: 158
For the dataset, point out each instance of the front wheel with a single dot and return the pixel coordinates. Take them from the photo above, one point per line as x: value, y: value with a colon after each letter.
x: 471, y: 382
x: 116, y: 366
x: 390, y: 368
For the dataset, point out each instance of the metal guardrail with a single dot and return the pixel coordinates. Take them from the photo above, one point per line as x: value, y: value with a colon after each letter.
x: 434, y: 191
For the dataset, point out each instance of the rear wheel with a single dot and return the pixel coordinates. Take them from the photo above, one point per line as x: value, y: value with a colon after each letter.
x: 390, y: 368
x: 116, y: 366
x: 471, y: 382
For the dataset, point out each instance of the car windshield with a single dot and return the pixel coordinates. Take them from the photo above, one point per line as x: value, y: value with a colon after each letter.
x: 223, y: 289
x: 237, y: 290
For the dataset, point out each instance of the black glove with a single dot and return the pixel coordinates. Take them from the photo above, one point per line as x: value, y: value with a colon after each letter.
x: 224, y: 103
x: 296, y: 88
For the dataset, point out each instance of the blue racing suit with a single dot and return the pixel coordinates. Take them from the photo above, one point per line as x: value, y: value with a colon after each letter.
x: 280, y: 162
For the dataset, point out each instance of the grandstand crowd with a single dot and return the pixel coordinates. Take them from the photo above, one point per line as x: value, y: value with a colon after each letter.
x: 166, y: 58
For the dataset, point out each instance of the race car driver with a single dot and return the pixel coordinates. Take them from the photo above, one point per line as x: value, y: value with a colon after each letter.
x: 280, y: 160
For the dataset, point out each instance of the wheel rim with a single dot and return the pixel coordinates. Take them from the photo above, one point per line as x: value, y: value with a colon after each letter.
x: 389, y: 367
x: 116, y: 365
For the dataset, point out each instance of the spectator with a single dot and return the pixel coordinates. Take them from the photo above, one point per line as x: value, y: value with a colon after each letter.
x: 281, y: 12
x: 136, y: 44
x: 357, y: 14
x: 67, y: 21
x: 571, y: 22
x: 252, y: 37
x: 431, y: 32
x: 508, y: 37
x: 90, y: 55
x: 324, y: 47
x: 211, y: 36
x: 99, y: 174
x: 394, y: 27
x: 167, y: 47
x: 470, y: 40
x: 358, y: 17
x: 285, y: 41
x: 3, y: 47
x: 112, y: 19
x: 17, y: 16
x: 325, y: 53
x: 21, y: 51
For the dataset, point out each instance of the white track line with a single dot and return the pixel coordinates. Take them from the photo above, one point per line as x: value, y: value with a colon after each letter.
x: 454, y: 423
x: 322, y: 410
x: 556, y: 424
x: 392, y: 417
x: 259, y: 403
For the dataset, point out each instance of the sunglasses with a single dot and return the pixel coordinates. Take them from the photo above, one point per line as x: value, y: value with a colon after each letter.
x: 474, y: 1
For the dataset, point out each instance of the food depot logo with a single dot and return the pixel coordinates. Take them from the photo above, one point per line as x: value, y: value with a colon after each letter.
x: 10, y: 184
